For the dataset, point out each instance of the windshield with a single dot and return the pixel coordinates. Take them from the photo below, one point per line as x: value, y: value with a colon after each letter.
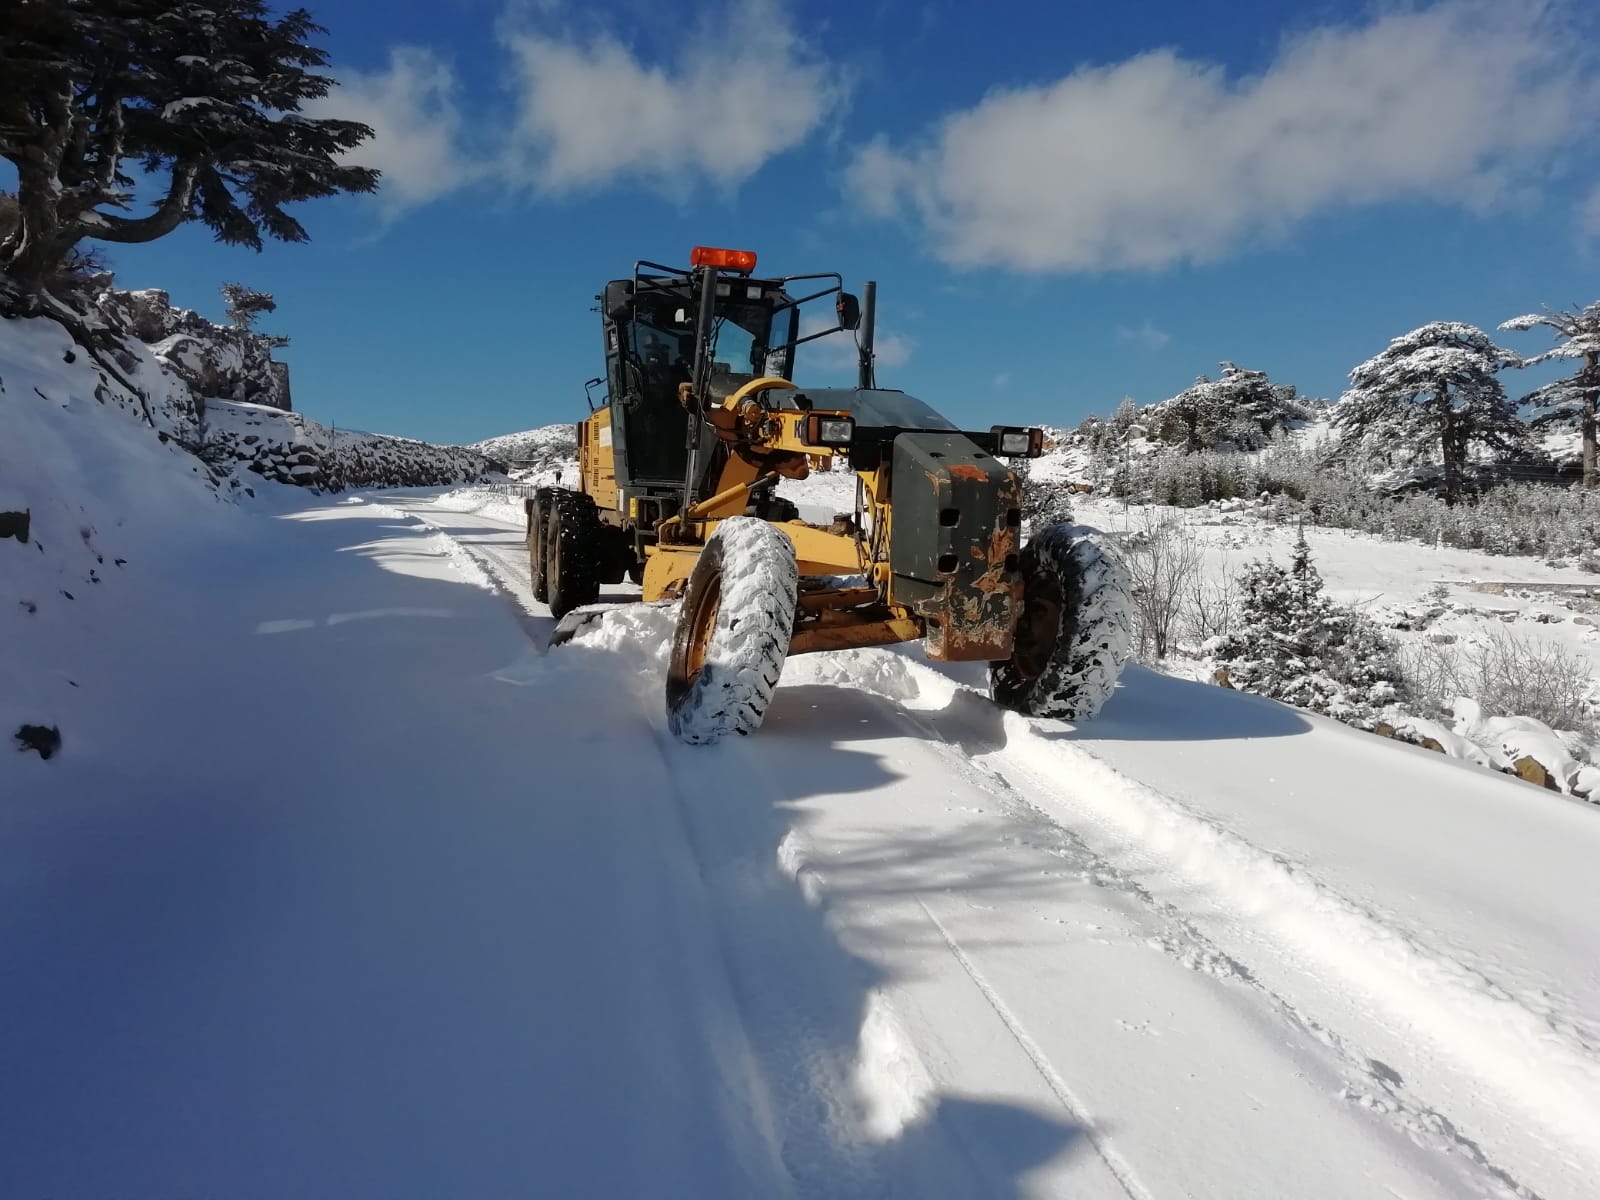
x: 878, y: 407
x: 661, y: 342
x: 739, y: 339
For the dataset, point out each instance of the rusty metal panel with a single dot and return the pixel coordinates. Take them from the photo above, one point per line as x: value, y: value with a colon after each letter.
x: 954, y: 545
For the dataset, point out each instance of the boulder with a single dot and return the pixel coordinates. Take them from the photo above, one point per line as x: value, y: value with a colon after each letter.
x: 1529, y: 768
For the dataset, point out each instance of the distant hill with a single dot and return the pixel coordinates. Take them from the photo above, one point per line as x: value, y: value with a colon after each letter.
x: 534, y: 448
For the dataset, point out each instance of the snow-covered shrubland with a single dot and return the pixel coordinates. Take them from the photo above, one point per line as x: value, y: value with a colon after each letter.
x: 1526, y: 655
x: 1291, y: 642
x: 1512, y: 518
x: 533, y: 451
x: 1511, y: 701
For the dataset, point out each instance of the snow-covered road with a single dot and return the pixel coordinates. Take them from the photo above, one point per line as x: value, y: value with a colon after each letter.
x: 407, y: 908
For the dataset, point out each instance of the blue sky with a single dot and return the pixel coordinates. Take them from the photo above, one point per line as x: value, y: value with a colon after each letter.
x: 1063, y: 203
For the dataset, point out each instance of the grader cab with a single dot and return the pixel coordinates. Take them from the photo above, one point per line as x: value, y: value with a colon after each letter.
x: 678, y: 473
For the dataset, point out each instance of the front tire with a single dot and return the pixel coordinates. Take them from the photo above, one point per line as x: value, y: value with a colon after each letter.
x: 733, y: 632
x: 572, y: 549
x: 1075, y: 633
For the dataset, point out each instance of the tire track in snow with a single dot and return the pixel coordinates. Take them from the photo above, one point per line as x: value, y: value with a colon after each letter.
x: 1372, y: 1085
x: 857, y: 1106
x: 800, y: 996
x: 1075, y: 1107
x: 1519, y: 1056
x: 1477, y: 1175
x: 505, y: 574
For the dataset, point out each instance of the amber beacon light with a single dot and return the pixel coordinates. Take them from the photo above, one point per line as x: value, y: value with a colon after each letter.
x: 743, y: 261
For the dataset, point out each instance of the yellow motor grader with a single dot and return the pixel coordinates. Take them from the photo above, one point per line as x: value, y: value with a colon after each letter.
x: 678, y: 467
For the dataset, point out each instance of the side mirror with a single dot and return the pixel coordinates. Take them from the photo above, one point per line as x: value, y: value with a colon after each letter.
x: 849, y: 310
x: 619, y: 300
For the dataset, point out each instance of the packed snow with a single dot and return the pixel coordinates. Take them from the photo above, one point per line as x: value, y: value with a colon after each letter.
x: 340, y: 884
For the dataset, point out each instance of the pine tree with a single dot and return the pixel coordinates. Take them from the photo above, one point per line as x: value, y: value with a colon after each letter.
x: 204, y: 95
x: 1574, y: 401
x: 245, y: 305
x: 1292, y: 643
x: 1241, y: 406
x: 1433, y: 392
x: 1308, y: 580
x: 1045, y: 502
x: 1123, y: 419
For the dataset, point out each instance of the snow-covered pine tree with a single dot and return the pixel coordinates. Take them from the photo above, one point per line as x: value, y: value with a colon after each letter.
x: 1241, y: 406
x: 1573, y: 401
x: 1433, y: 394
x: 205, y: 95
x: 245, y: 305
x: 1308, y: 580
x: 1127, y: 412
x: 1045, y: 502
x: 1292, y: 643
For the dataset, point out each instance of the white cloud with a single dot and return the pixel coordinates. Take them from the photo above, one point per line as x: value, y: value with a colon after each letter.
x: 1002, y: 380
x: 1159, y: 159
x: 1146, y: 335
x: 411, y: 106
x: 743, y: 88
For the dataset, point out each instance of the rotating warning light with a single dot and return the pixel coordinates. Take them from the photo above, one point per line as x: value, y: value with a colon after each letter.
x: 743, y: 261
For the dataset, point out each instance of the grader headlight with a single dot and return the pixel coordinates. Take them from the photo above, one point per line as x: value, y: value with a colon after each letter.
x: 825, y: 430
x: 1018, y: 443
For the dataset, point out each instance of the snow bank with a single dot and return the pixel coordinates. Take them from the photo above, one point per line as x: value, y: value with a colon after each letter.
x: 499, y: 506
x: 102, y: 490
x: 1539, y: 1063
x: 248, y: 442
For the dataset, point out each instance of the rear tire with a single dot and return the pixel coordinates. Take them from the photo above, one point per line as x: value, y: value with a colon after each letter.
x: 734, y: 626
x: 572, y: 550
x: 1075, y: 632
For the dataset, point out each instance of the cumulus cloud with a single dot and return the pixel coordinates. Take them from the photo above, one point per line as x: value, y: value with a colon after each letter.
x: 1146, y: 335
x: 740, y: 90
x: 1160, y: 159
x: 413, y: 109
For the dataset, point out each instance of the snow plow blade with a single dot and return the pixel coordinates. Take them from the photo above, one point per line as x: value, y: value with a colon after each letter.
x: 589, y: 615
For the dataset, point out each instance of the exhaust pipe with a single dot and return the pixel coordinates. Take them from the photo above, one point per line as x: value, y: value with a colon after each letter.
x: 868, y: 375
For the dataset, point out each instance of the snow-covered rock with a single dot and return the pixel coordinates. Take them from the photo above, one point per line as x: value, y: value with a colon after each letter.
x: 216, y: 361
